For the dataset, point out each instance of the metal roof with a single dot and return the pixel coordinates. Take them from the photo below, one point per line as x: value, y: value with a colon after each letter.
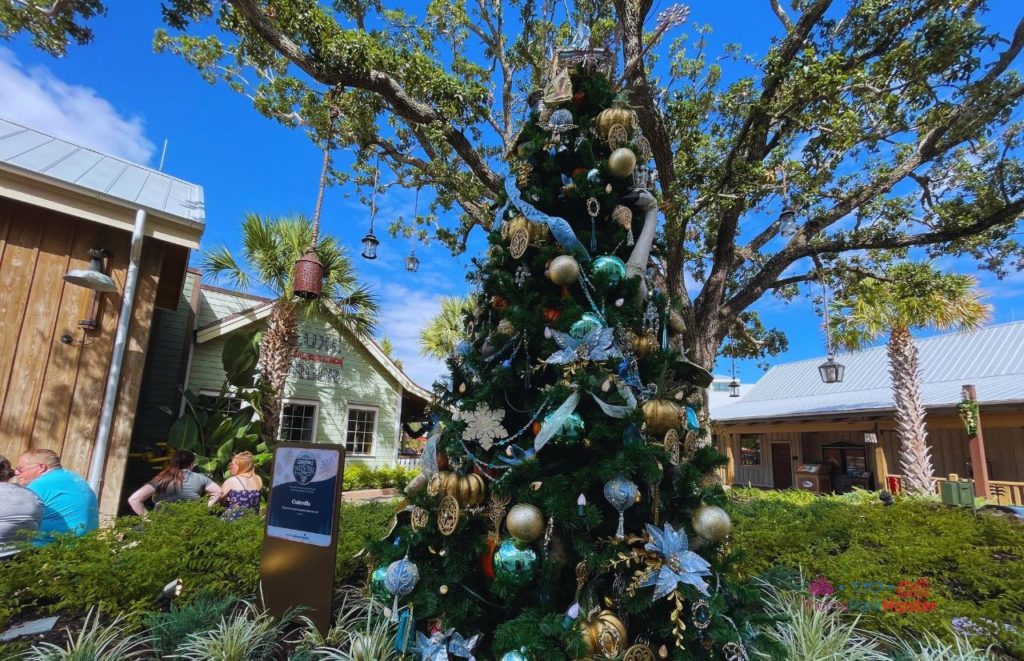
x: 67, y: 164
x: 992, y: 359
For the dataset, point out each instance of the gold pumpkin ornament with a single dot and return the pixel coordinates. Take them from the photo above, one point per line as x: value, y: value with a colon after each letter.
x: 609, y: 117
x: 467, y: 490
x: 604, y: 634
x: 520, y: 233
x: 661, y: 415
x: 645, y: 345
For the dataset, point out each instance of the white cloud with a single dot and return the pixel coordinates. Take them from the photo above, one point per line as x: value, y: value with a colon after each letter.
x: 404, y: 312
x: 38, y: 99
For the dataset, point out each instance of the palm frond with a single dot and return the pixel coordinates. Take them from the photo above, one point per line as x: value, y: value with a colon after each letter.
x: 219, y: 262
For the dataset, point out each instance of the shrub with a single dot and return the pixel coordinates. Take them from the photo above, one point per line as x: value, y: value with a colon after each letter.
x: 247, y: 635
x: 94, y: 642
x: 359, y: 477
x: 169, y: 629
x: 972, y: 565
x: 124, y: 568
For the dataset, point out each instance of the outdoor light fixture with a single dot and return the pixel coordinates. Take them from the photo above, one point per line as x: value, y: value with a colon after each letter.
x: 412, y: 264
x: 370, y: 241
x: 734, y: 388
x: 92, y: 277
x: 787, y: 222
x: 831, y: 371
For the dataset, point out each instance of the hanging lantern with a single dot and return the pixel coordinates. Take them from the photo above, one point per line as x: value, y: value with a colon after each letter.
x: 370, y: 244
x: 412, y: 264
x: 787, y: 222
x: 831, y: 371
x: 308, y: 276
x: 370, y: 241
x: 734, y: 388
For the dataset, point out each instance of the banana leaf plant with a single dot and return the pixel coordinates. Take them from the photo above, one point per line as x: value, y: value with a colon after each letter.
x: 217, y: 427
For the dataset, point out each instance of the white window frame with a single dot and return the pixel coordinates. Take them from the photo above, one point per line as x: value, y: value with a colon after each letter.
x: 373, y: 436
x: 301, y: 402
x: 230, y: 394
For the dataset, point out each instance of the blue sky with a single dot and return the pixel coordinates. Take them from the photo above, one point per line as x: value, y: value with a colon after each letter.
x: 117, y: 96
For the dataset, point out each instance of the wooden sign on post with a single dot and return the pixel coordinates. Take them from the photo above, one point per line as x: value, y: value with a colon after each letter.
x: 301, y: 534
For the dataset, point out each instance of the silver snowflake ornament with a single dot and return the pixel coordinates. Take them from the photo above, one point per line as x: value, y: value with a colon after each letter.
x: 679, y: 564
x: 483, y: 425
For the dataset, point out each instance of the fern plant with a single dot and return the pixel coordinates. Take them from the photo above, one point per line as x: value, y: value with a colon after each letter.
x: 94, y: 642
x: 814, y: 630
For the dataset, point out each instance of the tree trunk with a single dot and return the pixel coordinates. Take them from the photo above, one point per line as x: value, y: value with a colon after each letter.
x: 277, y: 351
x: 701, y: 348
x: 915, y: 455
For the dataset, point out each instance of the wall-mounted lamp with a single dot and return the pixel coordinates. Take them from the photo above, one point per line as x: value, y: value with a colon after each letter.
x: 92, y: 276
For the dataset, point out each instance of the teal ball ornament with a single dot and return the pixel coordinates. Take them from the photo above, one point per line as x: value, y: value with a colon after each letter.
x: 377, y: 587
x: 588, y: 322
x: 571, y: 430
x: 513, y: 564
x: 514, y: 655
x: 611, y: 266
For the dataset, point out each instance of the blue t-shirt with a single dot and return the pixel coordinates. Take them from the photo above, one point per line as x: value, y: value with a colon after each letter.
x: 69, y: 505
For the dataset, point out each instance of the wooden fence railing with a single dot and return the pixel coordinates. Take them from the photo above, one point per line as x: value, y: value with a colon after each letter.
x: 408, y: 461
x: 1001, y: 492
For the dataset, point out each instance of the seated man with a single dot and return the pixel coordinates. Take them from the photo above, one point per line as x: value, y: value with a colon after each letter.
x: 69, y: 505
x: 20, y: 509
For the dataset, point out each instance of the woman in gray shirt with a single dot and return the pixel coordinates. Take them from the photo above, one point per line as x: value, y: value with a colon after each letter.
x: 20, y: 509
x: 175, y: 483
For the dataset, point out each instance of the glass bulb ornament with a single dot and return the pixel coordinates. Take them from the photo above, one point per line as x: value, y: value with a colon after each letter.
x: 621, y: 493
x: 514, y: 655
x: 587, y: 322
x: 378, y: 588
x: 712, y: 523
x: 611, y: 267
x: 401, y: 579
x: 513, y: 564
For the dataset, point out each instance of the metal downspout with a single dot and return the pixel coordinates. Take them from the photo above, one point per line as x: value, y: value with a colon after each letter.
x: 124, y: 321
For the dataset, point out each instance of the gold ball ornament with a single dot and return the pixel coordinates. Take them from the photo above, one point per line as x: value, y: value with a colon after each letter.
x: 506, y: 328
x: 712, y: 523
x: 563, y: 270
x: 660, y: 415
x: 443, y: 589
x: 525, y: 522
x: 604, y: 634
x: 621, y: 162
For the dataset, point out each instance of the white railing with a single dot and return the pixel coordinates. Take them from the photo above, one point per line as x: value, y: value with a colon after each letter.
x: 408, y: 461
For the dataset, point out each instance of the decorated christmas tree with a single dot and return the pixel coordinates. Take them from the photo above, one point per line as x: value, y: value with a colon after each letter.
x: 568, y: 506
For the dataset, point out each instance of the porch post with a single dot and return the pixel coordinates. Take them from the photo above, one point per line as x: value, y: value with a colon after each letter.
x: 979, y: 466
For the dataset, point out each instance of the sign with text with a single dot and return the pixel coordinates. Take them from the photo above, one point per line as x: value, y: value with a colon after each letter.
x: 301, y: 534
x: 319, y: 358
x: 302, y: 495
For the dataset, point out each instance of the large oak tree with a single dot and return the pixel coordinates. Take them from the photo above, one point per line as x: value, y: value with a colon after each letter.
x: 892, y: 120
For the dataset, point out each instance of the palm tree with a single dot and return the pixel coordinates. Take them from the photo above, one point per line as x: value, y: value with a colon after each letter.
x: 270, y: 248
x: 439, y: 337
x: 911, y: 296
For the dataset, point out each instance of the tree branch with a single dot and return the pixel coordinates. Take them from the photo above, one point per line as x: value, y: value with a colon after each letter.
x: 781, y: 13
x: 378, y: 82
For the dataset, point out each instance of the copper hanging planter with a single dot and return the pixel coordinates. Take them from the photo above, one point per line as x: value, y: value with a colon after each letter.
x: 309, y: 276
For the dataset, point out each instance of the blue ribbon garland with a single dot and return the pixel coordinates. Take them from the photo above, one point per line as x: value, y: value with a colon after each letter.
x: 559, y: 227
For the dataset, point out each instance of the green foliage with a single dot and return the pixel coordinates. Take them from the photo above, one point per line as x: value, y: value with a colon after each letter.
x: 248, y: 634
x: 168, y: 629
x: 932, y: 648
x: 361, y: 630
x: 209, y: 428
x: 95, y: 641
x: 124, y: 568
x: 973, y: 565
x: 52, y: 25
x: 358, y: 476
x: 440, y: 335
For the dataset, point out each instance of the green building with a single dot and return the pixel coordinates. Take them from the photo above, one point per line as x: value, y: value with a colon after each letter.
x: 342, y: 389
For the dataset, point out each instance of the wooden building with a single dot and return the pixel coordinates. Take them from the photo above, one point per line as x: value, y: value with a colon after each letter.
x: 58, y: 340
x: 790, y: 418
x: 342, y: 388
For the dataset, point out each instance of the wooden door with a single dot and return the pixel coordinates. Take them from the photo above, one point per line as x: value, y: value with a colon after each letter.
x: 782, y: 466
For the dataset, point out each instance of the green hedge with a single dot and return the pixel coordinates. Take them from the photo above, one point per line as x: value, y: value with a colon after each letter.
x: 358, y: 477
x: 123, y: 569
x: 973, y: 565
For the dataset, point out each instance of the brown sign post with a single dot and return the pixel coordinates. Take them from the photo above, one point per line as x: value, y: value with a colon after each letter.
x: 979, y: 464
x: 301, y: 533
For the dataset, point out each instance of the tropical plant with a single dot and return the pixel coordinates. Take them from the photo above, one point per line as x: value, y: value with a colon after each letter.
x: 814, y: 629
x: 389, y: 350
x: 932, y: 648
x: 249, y: 634
x: 910, y: 296
x: 95, y: 641
x: 270, y: 248
x: 168, y: 629
x: 216, y: 428
x: 361, y: 630
x: 444, y: 331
